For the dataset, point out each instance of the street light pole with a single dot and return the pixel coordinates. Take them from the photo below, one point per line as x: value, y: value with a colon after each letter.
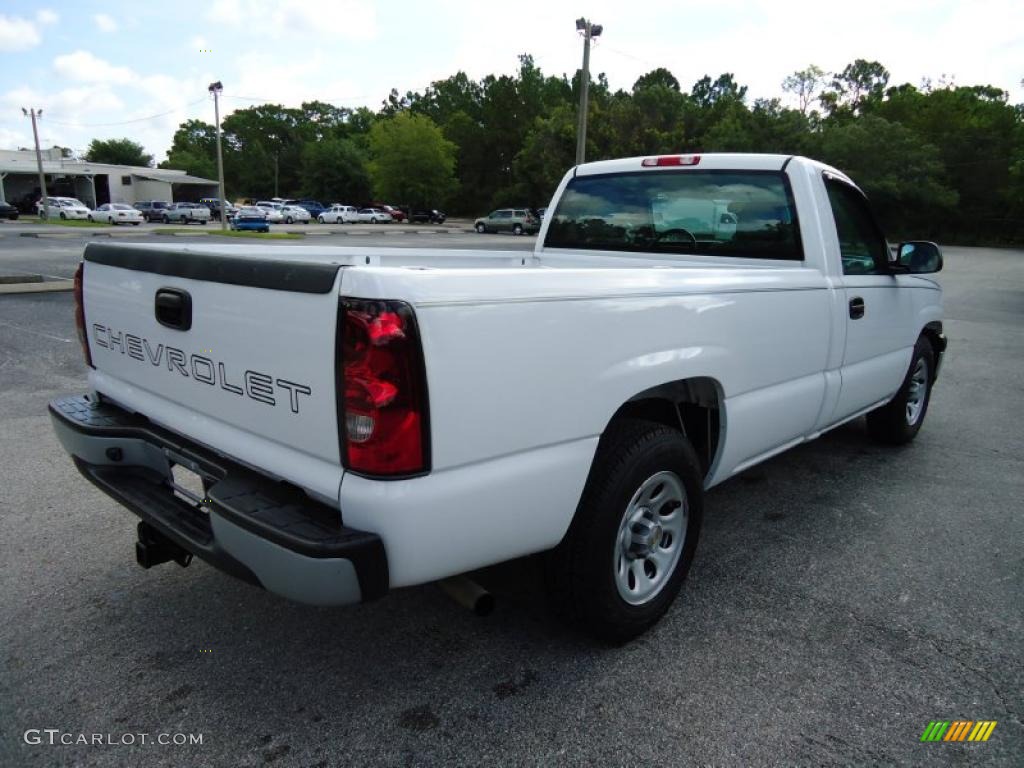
x: 215, y: 89
x: 34, y: 113
x: 589, y: 31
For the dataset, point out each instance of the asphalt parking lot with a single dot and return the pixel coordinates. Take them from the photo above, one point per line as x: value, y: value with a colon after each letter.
x: 844, y: 596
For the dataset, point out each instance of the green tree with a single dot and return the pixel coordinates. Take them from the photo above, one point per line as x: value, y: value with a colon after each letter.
x: 903, y: 175
x: 550, y: 149
x: 859, y: 85
x: 192, y: 163
x: 265, y: 144
x: 659, y: 76
x: 118, y: 152
x: 412, y: 162
x: 194, y: 149
x: 804, y: 84
x: 335, y: 171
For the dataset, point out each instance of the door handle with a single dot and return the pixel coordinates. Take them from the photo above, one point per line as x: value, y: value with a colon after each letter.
x: 173, y: 308
x: 856, y: 308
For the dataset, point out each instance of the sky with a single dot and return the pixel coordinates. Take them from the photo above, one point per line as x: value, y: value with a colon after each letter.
x: 116, y: 69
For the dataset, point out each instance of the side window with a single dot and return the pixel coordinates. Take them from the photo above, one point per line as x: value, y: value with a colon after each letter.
x: 861, y: 244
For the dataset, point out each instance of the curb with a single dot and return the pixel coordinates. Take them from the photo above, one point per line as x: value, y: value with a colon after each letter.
x: 79, y: 235
x: 48, y: 287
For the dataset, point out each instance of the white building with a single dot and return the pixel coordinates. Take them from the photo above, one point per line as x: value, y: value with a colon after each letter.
x: 94, y: 183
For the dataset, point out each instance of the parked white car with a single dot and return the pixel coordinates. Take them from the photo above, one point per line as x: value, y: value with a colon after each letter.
x: 348, y: 444
x: 339, y: 214
x: 373, y: 216
x: 117, y: 213
x: 272, y: 209
x: 64, y: 208
x: 294, y: 214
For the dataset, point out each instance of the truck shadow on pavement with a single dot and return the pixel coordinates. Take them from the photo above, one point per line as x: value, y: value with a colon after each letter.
x: 201, y: 649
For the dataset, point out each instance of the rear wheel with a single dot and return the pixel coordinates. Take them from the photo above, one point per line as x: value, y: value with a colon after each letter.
x: 517, y: 229
x: 634, y: 534
x: 900, y: 420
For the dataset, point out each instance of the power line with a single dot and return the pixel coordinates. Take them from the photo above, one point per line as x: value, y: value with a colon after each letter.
x: 648, y: 62
x: 128, y: 122
x: 265, y: 100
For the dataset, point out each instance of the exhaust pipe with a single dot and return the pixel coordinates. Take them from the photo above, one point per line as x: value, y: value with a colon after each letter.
x: 153, y: 548
x: 468, y: 594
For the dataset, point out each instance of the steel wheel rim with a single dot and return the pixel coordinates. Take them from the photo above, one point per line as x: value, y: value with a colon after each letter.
x: 650, y: 539
x: 918, y: 392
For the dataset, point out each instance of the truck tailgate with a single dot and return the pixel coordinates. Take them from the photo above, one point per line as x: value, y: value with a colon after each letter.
x: 232, y: 350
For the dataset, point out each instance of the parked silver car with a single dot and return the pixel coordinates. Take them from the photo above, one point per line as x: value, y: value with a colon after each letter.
x: 186, y: 213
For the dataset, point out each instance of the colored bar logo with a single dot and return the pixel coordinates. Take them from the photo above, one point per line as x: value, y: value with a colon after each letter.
x: 958, y: 730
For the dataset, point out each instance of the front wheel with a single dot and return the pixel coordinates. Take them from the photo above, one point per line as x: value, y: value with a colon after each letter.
x: 481, y: 228
x: 634, y: 534
x: 517, y: 229
x: 63, y: 217
x: 900, y: 420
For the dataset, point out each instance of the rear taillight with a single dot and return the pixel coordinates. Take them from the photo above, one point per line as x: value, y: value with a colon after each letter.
x: 383, y: 390
x: 83, y: 337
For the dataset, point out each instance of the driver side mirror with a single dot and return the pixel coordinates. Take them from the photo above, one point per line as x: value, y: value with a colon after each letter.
x: 916, y: 257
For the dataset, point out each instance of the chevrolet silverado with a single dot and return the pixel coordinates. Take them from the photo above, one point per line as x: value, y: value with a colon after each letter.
x: 332, y: 423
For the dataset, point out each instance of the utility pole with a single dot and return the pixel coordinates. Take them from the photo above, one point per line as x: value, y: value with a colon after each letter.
x: 589, y: 30
x: 215, y: 89
x: 34, y: 113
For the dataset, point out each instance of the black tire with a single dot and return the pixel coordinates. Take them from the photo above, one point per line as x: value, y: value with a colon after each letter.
x: 89, y: 217
x: 580, y: 571
x: 517, y: 229
x: 481, y: 228
x: 892, y: 423
x: 135, y: 223
x: 289, y: 220
x: 319, y: 219
x: 167, y: 219
x: 63, y: 217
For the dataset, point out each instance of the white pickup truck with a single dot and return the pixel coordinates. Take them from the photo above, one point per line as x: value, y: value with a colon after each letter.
x: 363, y: 419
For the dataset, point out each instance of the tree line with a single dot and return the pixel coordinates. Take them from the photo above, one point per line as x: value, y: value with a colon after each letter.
x: 938, y: 159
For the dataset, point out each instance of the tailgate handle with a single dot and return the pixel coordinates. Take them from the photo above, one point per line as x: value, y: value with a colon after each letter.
x: 173, y: 308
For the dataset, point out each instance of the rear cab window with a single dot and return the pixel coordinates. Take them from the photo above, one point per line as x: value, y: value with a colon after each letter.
x: 747, y: 214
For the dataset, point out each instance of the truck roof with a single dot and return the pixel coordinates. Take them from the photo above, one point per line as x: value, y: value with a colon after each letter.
x: 719, y: 161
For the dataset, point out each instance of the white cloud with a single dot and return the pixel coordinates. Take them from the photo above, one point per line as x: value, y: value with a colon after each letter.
x: 339, y: 19
x: 199, y: 43
x: 105, y: 22
x: 46, y: 16
x: 13, y: 139
x: 289, y: 83
x: 17, y: 34
x: 87, y: 68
